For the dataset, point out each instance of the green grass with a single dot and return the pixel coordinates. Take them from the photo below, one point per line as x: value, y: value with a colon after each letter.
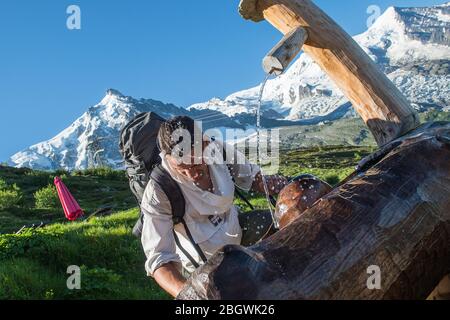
x: 330, y: 163
x: 434, y: 115
x: 34, y: 263
x: 93, y: 189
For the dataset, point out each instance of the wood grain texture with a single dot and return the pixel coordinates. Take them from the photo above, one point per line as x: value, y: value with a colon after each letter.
x: 395, y: 215
x: 248, y: 10
x: 381, y: 105
x: 285, y: 51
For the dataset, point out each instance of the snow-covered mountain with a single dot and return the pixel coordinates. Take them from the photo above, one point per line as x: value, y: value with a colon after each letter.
x: 98, y: 129
x: 412, y: 45
x: 69, y: 149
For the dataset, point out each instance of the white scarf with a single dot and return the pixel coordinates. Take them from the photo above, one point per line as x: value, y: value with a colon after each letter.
x: 204, y: 202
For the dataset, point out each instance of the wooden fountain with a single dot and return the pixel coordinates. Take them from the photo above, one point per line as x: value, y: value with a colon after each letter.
x: 392, y: 213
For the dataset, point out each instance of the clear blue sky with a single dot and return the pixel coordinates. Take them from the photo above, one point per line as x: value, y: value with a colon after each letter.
x: 176, y: 51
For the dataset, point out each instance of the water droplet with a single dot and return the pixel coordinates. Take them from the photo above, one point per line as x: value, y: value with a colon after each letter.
x: 282, y: 209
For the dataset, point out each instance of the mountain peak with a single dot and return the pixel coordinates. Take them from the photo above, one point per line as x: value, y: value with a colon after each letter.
x: 114, y: 92
x: 389, y: 20
x: 112, y: 97
x: 446, y: 4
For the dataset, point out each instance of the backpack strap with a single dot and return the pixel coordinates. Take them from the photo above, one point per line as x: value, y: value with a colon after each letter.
x: 273, y: 201
x: 173, y: 192
x: 177, y: 241
x: 243, y: 198
x: 236, y: 190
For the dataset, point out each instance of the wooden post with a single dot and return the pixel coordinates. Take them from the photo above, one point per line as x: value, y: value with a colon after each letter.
x: 382, y: 106
x: 279, y: 58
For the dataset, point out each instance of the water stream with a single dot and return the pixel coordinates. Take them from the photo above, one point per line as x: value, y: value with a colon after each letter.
x: 258, y: 156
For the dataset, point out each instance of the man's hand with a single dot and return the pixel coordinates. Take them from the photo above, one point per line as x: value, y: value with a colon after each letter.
x: 170, y: 279
x: 275, y: 184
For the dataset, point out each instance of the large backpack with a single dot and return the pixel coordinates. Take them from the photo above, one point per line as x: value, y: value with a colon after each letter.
x: 139, y: 148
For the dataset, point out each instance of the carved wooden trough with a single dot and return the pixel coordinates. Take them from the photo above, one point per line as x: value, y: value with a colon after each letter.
x: 393, y: 212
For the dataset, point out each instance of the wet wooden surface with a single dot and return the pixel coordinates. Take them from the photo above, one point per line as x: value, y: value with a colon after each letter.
x: 395, y: 215
x: 299, y: 196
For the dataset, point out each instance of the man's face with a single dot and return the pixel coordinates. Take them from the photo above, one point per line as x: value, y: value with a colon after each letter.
x: 193, y: 167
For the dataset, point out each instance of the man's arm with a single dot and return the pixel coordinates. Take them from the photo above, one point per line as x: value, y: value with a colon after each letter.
x: 248, y: 176
x: 169, y: 278
x: 275, y: 183
x: 158, y: 241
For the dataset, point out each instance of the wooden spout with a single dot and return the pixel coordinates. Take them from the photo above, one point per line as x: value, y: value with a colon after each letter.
x: 279, y: 58
x: 381, y: 105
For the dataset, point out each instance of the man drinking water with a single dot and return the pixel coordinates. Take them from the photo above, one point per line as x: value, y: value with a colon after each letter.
x: 211, y: 220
